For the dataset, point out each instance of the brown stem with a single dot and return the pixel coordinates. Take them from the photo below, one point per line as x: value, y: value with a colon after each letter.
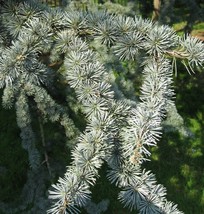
x: 44, y: 146
x: 156, y: 12
x: 177, y: 54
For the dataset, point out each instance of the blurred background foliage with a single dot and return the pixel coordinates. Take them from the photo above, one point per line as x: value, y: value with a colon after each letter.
x: 178, y: 161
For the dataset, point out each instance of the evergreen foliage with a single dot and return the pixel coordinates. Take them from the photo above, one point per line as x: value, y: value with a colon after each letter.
x: 42, y: 48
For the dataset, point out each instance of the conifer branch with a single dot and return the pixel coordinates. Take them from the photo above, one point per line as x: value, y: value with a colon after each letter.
x: 117, y: 132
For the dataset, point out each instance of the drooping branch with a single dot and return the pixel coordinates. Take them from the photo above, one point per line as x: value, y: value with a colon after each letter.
x: 116, y: 132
